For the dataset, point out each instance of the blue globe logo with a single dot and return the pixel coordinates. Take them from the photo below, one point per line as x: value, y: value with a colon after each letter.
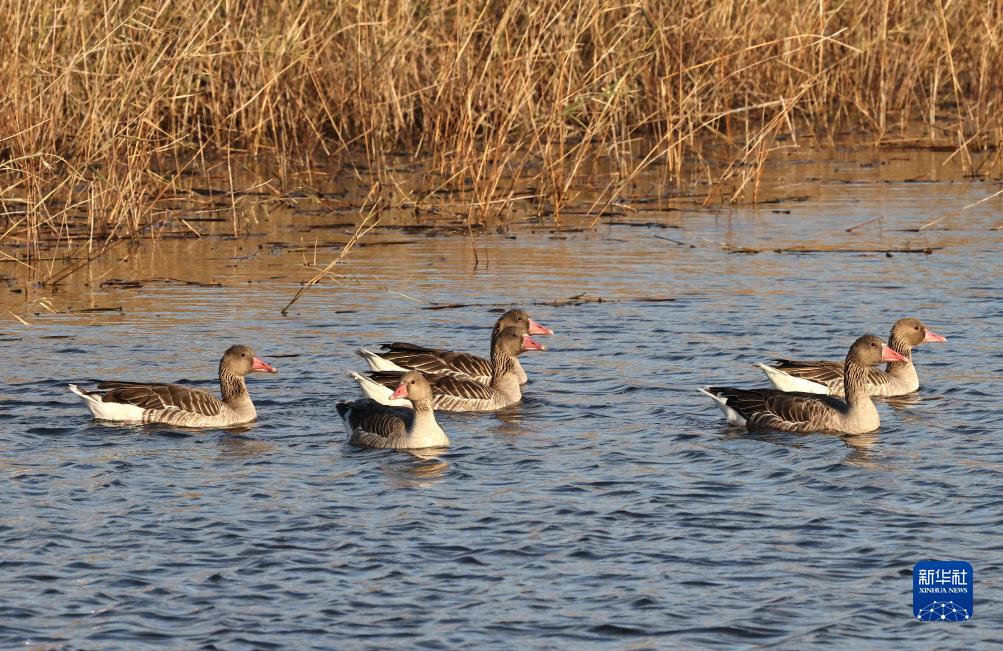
x: 942, y: 611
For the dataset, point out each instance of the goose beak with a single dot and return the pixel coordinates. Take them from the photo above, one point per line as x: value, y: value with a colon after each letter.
x: 537, y: 329
x: 933, y: 336
x: 261, y: 367
x: 529, y: 344
x: 401, y: 392
x: 889, y: 355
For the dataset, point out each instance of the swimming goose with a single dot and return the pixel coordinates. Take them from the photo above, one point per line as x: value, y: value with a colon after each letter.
x: 456, y: 394
x: 372, y: 425
x: 400, y: 357
x: 183, y: 406
x: 771, y: 409
x: 898, y: 378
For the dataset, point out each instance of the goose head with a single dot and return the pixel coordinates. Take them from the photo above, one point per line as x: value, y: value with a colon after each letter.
x: 520, y: 319
x: 912, y: 331
x: 512, y: 343
x: 871, y: 351
x: 241, y: 360
x: 413, y: 386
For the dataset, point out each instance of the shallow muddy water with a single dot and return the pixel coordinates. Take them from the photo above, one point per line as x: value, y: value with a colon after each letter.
x: 613, y: 508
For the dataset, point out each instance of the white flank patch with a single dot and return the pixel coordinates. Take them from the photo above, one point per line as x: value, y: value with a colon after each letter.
x: 787, y: 382
x: 116, y: 411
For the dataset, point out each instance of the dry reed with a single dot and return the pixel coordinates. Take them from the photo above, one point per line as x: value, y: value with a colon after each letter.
x: 105, y: 107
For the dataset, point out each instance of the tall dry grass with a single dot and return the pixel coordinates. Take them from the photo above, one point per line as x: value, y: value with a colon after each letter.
x: 105, y: 106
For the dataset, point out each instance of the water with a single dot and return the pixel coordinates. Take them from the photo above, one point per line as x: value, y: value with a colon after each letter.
x: 613, y: 508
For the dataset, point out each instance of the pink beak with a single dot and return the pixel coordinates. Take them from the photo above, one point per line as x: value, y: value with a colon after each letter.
x: 933, y: 336
x: 529, y: 344
x: 261, y: 367
x: 537, y: 329
x: 401, y: 392
x: 889, y: 355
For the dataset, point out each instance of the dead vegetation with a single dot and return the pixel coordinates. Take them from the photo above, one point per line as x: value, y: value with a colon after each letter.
x: 111, y: 111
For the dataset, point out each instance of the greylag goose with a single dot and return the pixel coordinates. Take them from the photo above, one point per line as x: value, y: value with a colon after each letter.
x: 771, y: 409
x: 372, y: 425
x: 898, y: 378
x: 455, y: 394
x: 183, y: 406
x: 399, y: 357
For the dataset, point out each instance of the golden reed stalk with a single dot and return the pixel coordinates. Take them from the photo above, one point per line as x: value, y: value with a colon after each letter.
x: 104, y: 105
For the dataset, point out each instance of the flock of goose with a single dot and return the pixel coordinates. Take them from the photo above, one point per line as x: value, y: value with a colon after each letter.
x: 408, y: 383
x: 807, y: 397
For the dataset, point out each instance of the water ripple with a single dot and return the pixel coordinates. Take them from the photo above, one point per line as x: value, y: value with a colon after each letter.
x: 613, y: 508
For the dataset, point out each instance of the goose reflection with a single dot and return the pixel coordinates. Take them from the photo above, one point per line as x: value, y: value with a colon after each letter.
x: 861, y: 447
x: 234, y: 446
x: 416, y: 468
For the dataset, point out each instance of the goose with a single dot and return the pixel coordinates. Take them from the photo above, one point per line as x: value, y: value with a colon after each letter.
x: 174, y: 404
x: 759, y: 409
x: 451, y: 393
x: 372, y: 425
x: 898, y: 378
x: 399, y: 357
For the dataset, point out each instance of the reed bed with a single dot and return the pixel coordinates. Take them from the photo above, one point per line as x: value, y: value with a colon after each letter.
x: 109, y: 109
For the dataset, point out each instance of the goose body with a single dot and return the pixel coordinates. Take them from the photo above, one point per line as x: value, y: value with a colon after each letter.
x: 771, y: 409
x: 451, y: 393
x: 174, y: 404
x: 399, y: 357
x: 370, y: 424
x: 826, y: 377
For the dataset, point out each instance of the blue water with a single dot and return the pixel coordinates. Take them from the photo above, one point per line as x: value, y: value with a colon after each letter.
x: 613, y: 508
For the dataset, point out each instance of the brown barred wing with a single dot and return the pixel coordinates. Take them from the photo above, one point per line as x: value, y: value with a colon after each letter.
x: 465, y: 365
x: 802, y: 412
x: 446, y: 385
x: 457, y: 394
x: 162, y: 397
x: 769, y: 409
x: 438, y: 362
x: 377, y: 426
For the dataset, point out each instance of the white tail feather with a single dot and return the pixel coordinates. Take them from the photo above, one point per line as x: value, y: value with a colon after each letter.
x: 83, y: 394
x: 734, y: 418
x: 347, y: 419
x: 377, y: 391
x: 378, y: 363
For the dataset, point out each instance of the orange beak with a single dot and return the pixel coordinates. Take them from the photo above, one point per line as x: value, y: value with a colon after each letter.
x: 401, y: 392
x: 529, y: 344
x: 537, y: 329
x: 933, y: 336
x: 258, y: 366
